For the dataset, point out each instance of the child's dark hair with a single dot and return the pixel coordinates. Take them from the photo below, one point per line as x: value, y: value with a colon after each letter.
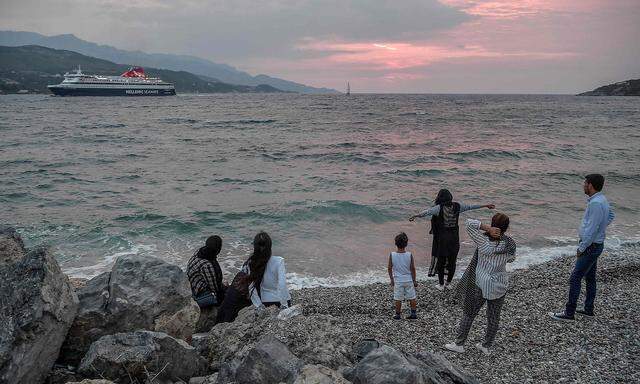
x: 402, y: 240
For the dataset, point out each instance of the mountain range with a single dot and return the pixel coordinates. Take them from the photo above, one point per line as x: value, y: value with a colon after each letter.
x: 210, y: 70
x: 32, y: 68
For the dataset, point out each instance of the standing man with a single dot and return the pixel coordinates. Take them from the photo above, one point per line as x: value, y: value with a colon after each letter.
x: 597, y: 217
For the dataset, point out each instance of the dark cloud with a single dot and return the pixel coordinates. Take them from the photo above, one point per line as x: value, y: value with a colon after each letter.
x: 237, y: 29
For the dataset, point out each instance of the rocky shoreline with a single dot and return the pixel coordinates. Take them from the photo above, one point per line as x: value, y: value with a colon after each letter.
x: 530, y: 347
x: 138, y: 324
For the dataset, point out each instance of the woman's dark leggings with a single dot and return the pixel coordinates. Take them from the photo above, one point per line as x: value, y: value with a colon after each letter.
x: 450, y: 264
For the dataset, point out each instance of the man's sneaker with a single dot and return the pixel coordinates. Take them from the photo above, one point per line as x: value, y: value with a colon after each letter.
x: 483, y: 349
x: 440, y: 287
x: 561, y: 316
x: 397, y: 317
x: 585, y: 313
x: 454, y: 347
x: 412, y: 316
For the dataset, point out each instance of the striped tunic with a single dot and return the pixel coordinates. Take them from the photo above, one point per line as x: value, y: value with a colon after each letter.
x: 491, y: 273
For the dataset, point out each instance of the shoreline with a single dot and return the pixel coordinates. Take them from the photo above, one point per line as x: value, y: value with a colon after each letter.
x: 527, y: 258
x: 530, y: 346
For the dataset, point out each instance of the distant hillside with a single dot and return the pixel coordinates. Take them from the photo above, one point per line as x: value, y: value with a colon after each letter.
x: 191, y: 64
x: 33, y: 67
x: 623, y: 88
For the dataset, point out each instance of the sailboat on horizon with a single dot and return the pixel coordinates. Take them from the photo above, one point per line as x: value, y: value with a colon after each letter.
x: 348, y: 89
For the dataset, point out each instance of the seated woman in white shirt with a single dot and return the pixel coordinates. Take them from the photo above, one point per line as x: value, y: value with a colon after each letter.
x: 261, y: 281
x: 267, y: 281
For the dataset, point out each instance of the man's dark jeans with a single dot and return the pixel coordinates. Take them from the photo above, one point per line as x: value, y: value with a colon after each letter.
x: 586, y: 266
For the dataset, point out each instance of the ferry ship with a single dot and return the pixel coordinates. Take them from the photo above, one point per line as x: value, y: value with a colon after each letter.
x: 133, y: 82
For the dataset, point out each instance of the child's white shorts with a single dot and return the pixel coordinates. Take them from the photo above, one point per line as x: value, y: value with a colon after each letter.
x: 404, y: 291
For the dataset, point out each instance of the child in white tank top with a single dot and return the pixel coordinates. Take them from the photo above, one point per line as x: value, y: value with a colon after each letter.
x: 402, y: 272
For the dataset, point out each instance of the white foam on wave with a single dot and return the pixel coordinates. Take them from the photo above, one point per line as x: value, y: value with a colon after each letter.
x: 89, y: 271
x: 526, y: 256
x: 298, y: 281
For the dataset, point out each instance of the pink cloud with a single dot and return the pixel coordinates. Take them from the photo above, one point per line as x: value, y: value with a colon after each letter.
x: 505, y: 45
x: 399, y: 56
x: 512, y: 9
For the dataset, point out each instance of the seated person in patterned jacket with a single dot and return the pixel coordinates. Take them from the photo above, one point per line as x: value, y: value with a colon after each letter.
x: 205, y: 274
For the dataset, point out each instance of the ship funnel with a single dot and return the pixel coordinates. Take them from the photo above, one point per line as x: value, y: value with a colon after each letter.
x: 134, y: 72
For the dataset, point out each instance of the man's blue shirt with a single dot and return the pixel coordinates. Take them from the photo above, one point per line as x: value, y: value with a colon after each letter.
x: 597, y: 217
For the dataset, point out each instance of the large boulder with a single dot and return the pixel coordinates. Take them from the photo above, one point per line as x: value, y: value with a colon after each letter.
x: 207, y: 319
x: 61, y: 374
x: 384, y: 365
x: 316, y: 339
x: 440, y: 370
x: 140, y: 292
x: 142, y: 355
x: 268, y: 362
x: 37, y: 307
x: 388, y: 365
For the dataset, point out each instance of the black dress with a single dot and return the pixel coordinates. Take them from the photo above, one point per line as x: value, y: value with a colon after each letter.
x: 446, y: 242
x: 236, y: 297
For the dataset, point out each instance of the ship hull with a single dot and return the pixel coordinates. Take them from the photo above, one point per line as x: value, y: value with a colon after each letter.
x: 69, y: 91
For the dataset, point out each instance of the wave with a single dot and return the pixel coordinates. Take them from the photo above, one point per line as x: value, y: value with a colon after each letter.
x: 415, y: 172
x: 487, y: 153
x: 526, y: 257
x: 235, y: 251
x: 179, y: 120
x: 102, y: 126
x: 239, y: 181
x: 89, y: 271
x: 416, y: 113
x: 140, y: 217
x: 239, y: 122
x: 333, y: 157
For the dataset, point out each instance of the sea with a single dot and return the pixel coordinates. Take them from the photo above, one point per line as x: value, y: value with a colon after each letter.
x: 331, y: 178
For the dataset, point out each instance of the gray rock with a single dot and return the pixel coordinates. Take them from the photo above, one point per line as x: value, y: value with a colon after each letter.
x: 211, y: 379
x: 142, y: 355
x: 140, y: 292
x: 37, y: 307
x: 11, y: 246
x: 92, y: 381
x: 206, y: 319
x: 387, y: 365
x: 363, y: 347
x: 440, y: 370
x: 269, y: 362
x: 316, y: 339
x: 384, y: 365
x: 200, y: 341
x: 62, y: 375
x: 318, y: 374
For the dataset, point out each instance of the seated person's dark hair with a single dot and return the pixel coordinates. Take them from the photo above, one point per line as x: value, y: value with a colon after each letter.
x: 402, y: 240
x: 595, y: 179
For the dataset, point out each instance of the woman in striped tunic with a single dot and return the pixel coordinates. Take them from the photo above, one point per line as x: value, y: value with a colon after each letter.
x: 485, y: 280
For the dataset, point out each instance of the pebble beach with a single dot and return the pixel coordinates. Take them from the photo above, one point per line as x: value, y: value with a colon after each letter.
x: 530, y: 346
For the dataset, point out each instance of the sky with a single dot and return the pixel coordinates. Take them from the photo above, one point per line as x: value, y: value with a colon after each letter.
x: 384, y: 46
